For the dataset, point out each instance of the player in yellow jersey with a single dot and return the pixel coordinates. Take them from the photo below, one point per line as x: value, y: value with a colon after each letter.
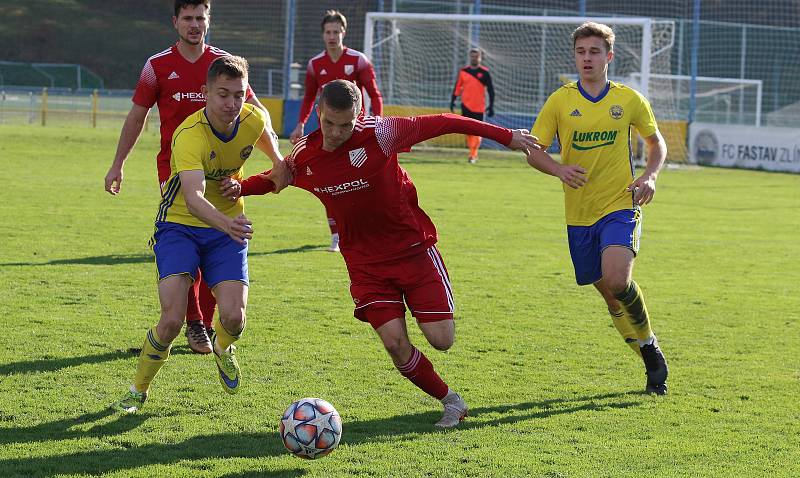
x: 197, y: 227
x: 593, y: 118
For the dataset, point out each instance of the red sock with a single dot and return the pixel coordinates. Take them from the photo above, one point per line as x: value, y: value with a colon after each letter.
x: 420, y: 371
x: 207, y: 304
x: 193, y: 312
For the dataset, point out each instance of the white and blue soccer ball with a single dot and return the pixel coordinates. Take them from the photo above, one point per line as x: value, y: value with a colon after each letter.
x: 311, y: 428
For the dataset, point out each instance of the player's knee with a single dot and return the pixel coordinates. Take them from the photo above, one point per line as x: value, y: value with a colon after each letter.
x: 397, y: 347
x: 443, y: 342
x: 232, y: 319
x: 617, y: 283
x: 170, y: 325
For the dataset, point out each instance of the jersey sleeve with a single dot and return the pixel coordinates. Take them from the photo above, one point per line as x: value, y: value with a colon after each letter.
x: 257, y: 184
x: 366, y: 78
x: 490, y: 88
x: 310, y: 95
x: 187, y: 151
x: 146, y: 93
x: 396, y: 134
x: 459, y: 85
x: 645, y: 120
x: 546, y: 125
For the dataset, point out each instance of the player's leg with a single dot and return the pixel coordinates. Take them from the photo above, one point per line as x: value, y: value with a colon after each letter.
x: 208, y: 305
x: 619, y: 317
x: 473, y: 142
x: 380, y: 302
x: 428, y: 293
x: 196, y: 335
x: 620, y: 243
x: 177, y: 259
x: 225, y: 267
x: 334, y: 247
x: 585, y: 252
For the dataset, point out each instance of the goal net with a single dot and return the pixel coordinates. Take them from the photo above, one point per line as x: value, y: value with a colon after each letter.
x: 417, y: 57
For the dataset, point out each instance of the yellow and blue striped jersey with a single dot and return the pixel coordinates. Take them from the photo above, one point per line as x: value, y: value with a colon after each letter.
x: 197, y: 146
x: 595, y: 133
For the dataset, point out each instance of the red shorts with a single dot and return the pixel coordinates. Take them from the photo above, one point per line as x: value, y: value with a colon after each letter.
x: 381, y: 291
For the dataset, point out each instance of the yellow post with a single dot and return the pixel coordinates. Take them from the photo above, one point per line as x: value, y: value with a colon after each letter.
x: 44, y: 106
x: 94, y: 108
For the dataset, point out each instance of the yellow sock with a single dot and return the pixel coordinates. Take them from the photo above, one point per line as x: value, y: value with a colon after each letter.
x: 154, y: 355
x: 224, y: 339
x: 623, y: 325
x: 632, y: 301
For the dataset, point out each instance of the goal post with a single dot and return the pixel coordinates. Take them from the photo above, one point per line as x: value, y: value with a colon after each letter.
x: 418, y: 55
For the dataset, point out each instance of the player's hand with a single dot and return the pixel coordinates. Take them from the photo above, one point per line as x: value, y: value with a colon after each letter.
x: 114, y: 180
x: 522, y: 140
x: 231, y: 189
x: 644, y: 188
x: 490, y: 112
x: 240, y: 229
x: 572, y: 175
x: 296, y: 134
x: 281, y: 175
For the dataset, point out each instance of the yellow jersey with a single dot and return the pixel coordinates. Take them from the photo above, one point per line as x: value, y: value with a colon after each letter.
x: 197, y: 146
x: 595, y: 133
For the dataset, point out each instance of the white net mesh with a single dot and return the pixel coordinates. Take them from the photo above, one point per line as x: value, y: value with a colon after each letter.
x: 417, y: 58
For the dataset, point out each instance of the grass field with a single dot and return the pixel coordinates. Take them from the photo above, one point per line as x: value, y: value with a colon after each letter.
x: 553, y: 390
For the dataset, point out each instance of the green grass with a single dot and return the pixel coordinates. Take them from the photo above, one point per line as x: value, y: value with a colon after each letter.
x: 553, y: 390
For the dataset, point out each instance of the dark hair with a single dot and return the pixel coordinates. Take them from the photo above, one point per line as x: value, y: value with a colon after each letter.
x: 592, y: 29
x: 334, y: 16
x: 179, y: 4
x: 229, y: 65
x: 341, y: 95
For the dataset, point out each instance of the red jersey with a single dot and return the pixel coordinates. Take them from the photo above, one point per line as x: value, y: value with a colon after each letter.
x: 365, y: 189
x: 353, y: 66
x: 171, y: 81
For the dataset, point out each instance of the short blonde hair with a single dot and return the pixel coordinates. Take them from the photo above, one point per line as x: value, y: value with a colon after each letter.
x: 592, y: 29
x: 228, y: 65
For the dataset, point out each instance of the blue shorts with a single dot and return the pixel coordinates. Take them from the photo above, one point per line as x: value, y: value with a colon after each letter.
x: 181, y: 249
x: 587, y: 243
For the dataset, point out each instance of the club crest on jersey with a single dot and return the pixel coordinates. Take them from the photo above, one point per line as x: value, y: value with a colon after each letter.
x: 358, y: 157
x: 348, y: 69
x: 616, y: 111
x: 245, y: 152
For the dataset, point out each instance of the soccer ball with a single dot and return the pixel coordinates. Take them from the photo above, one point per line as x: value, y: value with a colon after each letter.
x: 311, y: 428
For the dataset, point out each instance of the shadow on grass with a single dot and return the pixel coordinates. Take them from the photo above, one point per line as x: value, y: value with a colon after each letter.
x: 121, y: 259
x: 109, y: 260
x: 55, y: 364
x: 260, y: 445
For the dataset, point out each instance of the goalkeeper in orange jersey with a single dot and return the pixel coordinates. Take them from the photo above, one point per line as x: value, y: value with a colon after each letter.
x: 472, y: 84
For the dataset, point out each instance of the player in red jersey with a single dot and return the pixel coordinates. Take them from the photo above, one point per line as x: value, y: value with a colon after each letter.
x: 472, y: 84
x: 387, y: 240
x: 336, y: 62
x: 172, y: 80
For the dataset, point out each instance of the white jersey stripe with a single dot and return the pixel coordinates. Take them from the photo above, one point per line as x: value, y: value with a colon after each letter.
x: 433, y: 253
x: 379, y: 302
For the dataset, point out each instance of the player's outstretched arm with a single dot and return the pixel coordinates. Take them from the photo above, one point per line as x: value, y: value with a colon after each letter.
x: 280, y: 175
x: 193, y: 185
x: 131, y: 130
x: 256, y: 185
x: 572, y: 175
x: 644, y: 187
